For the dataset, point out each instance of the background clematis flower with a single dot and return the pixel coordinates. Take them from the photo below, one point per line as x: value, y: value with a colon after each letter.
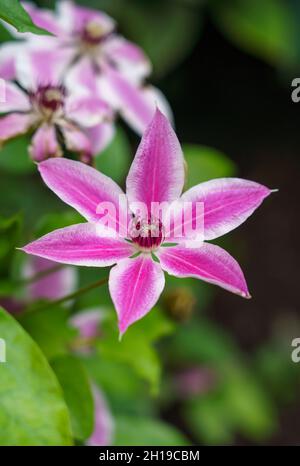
x: 55, y: 112
x: 94, y: 50
x: 156, y: 175
x: 103, y: 432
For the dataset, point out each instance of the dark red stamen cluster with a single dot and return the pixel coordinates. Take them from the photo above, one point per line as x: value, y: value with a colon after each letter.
x: 49, y: 97
x: 147, y: 234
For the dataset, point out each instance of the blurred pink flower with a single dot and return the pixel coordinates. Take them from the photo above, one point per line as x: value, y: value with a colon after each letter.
x: 45, y: 105
x: 195, y: 380
x: 98, y: 61
x: 54, y: 285
x: 104, y: 424
x: 156, y: 175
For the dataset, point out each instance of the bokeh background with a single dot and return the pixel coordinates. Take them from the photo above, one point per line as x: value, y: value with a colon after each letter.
x: 205, y: 367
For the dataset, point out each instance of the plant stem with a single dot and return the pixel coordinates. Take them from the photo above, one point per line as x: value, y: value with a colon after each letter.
x: 75, y: 294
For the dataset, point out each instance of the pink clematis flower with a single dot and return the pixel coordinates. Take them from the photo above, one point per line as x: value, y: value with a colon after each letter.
x: 156, y: 175
x: 104, y: 427
x: 54, y: 111
x: 96, y: 50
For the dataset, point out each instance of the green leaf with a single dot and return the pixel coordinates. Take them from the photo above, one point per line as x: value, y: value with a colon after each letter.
x: 77, y: 392
x: 32, y: 408
x: 266, y: 29
x: 50, y: 329
x: 12, y: 12
x: 14, y: 157
x: 144, y: 431
x: 205, y: 163
x: 136, y: 347
x: 114, y: 161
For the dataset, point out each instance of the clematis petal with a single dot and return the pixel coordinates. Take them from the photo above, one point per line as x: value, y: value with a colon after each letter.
x: 42, y: 66
x: 100, y: 136
x: 104, y: 425
x: 87, y: 322
x: 82, y: 244
x: 8, y: 53
x: 44, y: 143
x: 209, y: 263
x: 136, y: 104
x: 81, y: 77
x: 55, y: 285
x: 14, y: 124
x: 15, y: 100
x: 157, y: 171
x: 135, y: 286
x: 43, y: 18
x: 73, y: 18
x: 228, y: 202
x: 80, y: 186
x: 127, y: 57
x: 87, y: 111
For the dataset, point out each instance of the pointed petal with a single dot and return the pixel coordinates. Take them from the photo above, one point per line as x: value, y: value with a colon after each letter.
x: 87, y: 111
x: 15, y: 100
x: 42, y: 66
x: 76, y: 140
x: 81, y: 77
x: 228, y: 202
x: 127, y: 57
x: 209, y: 263
x: 14, y: 124
x: 44, y: 143
x: 73, y: 18
x: 43, y: 18
x: 100, y: 136
x: 8, y: 54
x: 80, y: 186
x: 136, y: 104
x: 157, y: 171
x: 135, y: 286
x: 81, y: 244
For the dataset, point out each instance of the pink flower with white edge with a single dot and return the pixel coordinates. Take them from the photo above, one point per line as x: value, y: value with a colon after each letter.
x: 95, y: 49
x: 156, y: 175
x: 41, y: 102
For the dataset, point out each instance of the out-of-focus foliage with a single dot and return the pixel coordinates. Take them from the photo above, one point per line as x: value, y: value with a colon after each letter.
x: 32, y: 408
x: 12, y: 12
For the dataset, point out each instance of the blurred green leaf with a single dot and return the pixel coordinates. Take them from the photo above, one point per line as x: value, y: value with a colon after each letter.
x: 146, y: 432
x: 266, y: 29
x: 12, y: 12
x: 77, y: 392
x: 10, y: 229
x: 205, y: 163
x: 14, y: 157
x: 50, y: 329
x: 32, y: 408
x: 166, y: 30
x: 114, y: 161
x: 136, y: 347
x: 56, y: 220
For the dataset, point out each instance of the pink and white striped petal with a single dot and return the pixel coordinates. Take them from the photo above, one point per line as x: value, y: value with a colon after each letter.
x: 135, y: 286
x: 228, y: 202
x: 157, y: 171
x: 127, y: 57
x: 81, y: 186
x: 81, y: 78
x: 42, y: 66
x: 136, y: 104
x: 14, y: 99
x: 44, y: 143
x: 14, y: 124
x: 209, y: 263
x: 82, y: 244
x: 87, y: 111
x: 8, y: 55
x: 43, y: 18
x: 100, y: 136
x: 75, y: 138
x: 73, y: 18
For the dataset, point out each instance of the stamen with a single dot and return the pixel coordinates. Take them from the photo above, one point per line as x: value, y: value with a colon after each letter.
x: 147, y: 234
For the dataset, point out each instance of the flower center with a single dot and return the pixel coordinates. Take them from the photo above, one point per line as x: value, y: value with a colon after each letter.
x: 93, y: 32
x: 49, y: 99
x: 147, y: 234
